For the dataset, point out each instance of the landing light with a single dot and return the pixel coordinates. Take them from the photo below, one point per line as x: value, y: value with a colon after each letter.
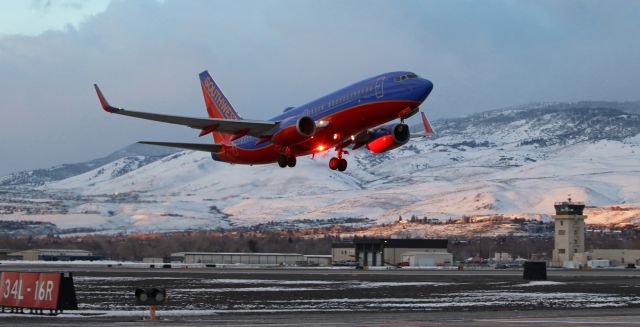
x: 336, y: 136
x: 320, y: 148
x: 353, y: 137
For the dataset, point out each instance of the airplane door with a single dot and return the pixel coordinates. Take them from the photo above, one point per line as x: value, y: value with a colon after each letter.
x: 380, y: 87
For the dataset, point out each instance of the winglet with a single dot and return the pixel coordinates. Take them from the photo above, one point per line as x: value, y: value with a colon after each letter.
x: 105, y: 105
x: 427, y: 126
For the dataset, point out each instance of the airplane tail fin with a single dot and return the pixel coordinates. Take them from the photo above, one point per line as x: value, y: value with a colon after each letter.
x: 217, y: 104
x: 428, y: 129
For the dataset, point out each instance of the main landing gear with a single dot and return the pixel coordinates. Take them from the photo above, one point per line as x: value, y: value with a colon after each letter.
x: 338, y: 162
x: 284, y: 161
x: 287, y: 159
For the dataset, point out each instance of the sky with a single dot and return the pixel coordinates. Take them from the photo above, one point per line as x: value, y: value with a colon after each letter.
x: 269, y: 55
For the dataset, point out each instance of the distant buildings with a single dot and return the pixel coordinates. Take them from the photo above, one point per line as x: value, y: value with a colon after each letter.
x: 393, y: 252
x: 273, y: 259
x: 4, y: 253
x: 502, y: 257
x: 53, y: 255
x: 343, y: 253
x: 616, y: 257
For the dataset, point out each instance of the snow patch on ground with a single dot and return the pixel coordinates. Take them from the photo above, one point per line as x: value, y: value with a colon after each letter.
x: 539, y: 283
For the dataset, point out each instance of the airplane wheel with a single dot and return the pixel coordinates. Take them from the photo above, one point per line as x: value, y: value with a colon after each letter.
x: 291, y: 161
x: 282, y: 161
x: 342, y: 165
x: 333, y: 163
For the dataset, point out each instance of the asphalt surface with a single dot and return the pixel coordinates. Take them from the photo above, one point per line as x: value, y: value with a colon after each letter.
x: 595, y: 317
x: 346, y: 297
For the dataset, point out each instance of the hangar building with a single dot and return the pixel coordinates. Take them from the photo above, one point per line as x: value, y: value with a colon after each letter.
x: 381, y: 252
x: 342, y: 253
x: 426, y: 259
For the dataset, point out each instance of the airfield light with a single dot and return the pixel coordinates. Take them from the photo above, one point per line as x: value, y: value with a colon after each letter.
x: 151, y: 297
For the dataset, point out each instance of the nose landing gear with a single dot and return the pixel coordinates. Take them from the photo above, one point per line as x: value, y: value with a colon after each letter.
x: 338, y: 162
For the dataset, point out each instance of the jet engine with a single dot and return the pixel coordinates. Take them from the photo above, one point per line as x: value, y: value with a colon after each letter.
x: 389, y: 137
x: 294, y: 130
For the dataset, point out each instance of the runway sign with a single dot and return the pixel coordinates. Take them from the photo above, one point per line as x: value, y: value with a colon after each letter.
x: 37, y: 290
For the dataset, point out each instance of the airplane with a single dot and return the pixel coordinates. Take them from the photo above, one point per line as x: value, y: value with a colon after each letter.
x: 352, y: 116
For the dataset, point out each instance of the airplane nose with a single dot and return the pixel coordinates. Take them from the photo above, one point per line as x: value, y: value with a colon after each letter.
x: 423, y: 89
x: 428, y: 86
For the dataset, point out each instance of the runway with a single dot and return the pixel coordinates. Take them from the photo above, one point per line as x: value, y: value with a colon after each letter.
x: 596, y: 317
x: 348, y: 297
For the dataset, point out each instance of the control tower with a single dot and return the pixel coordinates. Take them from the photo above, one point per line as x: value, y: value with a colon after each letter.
x: 569, y: 232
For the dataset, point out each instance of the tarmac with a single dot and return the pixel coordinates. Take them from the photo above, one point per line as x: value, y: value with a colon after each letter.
x: 346, y: 297
x: 596, y: 317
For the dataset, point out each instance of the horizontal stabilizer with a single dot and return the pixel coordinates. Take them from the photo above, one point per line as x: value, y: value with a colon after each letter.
x: 189, y: 146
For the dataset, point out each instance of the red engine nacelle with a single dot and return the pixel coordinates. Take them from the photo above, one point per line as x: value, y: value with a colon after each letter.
x: 294, y: 132
x: 389, y: 138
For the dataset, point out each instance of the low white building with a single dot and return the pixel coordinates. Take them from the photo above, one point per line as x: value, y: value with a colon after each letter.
x: 53, y: 255
x: 426, y: 259
x: 616, y: 257
x: 152, y: 260
x: 502, y: 257
x: 598, y: 263
x: 318, y: 260
x: 213, y: 258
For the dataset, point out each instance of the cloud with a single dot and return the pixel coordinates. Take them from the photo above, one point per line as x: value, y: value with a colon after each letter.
x: 46, y: 5
x: 41, y: 5
x: 270, y: 55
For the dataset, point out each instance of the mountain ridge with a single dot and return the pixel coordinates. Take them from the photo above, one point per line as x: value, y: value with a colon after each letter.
x: 507, y: 161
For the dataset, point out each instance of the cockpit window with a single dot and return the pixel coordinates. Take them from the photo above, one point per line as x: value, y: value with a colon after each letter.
x: 403, y: 77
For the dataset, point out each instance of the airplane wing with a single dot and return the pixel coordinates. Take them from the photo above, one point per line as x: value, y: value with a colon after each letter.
x: 188, y: 146
x: 427, y: 128
x: 243, y: 127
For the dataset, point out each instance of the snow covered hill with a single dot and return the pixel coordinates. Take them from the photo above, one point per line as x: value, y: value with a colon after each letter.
x: 515, y: 161
x: 36, y: 177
